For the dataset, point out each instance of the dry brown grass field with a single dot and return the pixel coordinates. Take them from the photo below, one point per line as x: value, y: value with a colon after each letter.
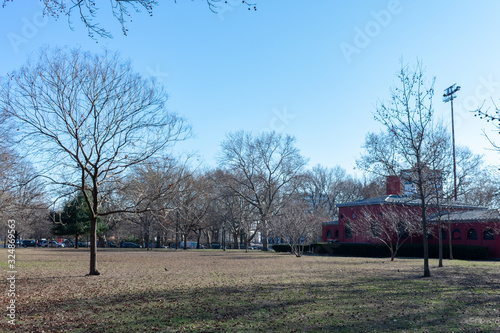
x: 234, y: 291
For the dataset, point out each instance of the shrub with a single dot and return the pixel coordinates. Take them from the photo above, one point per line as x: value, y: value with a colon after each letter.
x: 407, y: 250
x: 465, y: 252
x: 282, y: 248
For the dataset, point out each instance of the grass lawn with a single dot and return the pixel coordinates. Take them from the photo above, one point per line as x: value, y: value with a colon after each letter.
x: 234, y: 291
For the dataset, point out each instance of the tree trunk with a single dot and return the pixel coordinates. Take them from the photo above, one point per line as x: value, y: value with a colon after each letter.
x: 427, y: 272
x: 147, y: 241
x: 198, y: 239
x: 265, y: 236
x: 76, y: 241
x: 440, y: 242
x: 176, y: 236
x: 450, y: 237
x: 93, y: 246
x: 235, y: 240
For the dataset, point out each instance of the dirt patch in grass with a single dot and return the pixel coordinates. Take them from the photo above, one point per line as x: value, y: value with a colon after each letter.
x: 234, y: 291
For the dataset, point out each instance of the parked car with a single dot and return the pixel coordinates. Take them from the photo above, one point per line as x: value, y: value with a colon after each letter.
x: 43, y: 242
x: 28, y: 243
x: 54, y: 243
x: 129, y: 245
x: 83, y: 244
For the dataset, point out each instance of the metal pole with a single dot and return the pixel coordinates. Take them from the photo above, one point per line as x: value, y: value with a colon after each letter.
x: 454, y: 157
x: 448, y: 96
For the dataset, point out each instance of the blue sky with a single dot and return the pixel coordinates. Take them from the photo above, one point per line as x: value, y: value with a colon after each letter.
x: 314, y: 70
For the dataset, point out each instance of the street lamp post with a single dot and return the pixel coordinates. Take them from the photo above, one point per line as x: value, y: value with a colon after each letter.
x: 448, y: 96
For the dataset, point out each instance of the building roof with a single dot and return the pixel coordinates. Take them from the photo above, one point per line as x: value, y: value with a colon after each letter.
x: 404, y: 200
x: 486, y: 215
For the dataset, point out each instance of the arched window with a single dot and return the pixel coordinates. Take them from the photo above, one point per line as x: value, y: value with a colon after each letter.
x: 347, y: 231
x: 456, y: 234
x: 471, y: 233
x: 336, y: 233
x: 329, y: 234
x: 488, y: 234
x: 443, y: 234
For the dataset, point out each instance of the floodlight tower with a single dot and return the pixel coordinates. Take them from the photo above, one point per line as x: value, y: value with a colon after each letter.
x: 448, y: 96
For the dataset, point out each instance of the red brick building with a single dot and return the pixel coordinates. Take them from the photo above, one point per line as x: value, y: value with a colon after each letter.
x: 470, y: 225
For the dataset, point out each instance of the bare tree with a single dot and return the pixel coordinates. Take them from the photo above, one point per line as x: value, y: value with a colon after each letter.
x: 325, y: 187
x: 267, y: 168
x: 407, y: 145
x: 151, y: 188
x: 390, y: 225
x: 88, y: 119
x: 87, y: 11
x: 236, y: 213
x: 192, y: 204
x: 484, y: 189
x: 492, y: 116
x: 296, y: 224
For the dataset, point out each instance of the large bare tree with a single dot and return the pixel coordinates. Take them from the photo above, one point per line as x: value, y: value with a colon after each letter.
x: 88, y: 118
x: 407, y: 143
x: 265, y: 171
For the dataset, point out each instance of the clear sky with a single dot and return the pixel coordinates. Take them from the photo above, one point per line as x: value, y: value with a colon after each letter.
x: 312, y: 69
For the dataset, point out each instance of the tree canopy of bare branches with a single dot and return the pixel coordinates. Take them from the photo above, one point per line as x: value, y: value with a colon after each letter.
x: 409, y: 142
x: 389, y: 225
x: 265, y: 171
x: 296, y: 225
x: 88, y: 11
x: 494, y: 118
x: 87, y: 118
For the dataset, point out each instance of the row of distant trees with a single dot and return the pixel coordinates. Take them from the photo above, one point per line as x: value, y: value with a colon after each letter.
x: 172, y: 198
x: 100, y: 136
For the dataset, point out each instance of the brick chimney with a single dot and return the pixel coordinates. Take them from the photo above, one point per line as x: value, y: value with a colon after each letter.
x: 393, y: 185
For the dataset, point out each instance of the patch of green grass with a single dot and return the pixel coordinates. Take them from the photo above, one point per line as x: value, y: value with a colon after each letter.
x: 234, y: 291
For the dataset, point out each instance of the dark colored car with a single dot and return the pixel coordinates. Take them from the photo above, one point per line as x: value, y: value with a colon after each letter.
x: 129, y: 245
x: 28, y: 243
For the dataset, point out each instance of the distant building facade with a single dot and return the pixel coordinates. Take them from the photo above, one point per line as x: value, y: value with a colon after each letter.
x: 470, y: 225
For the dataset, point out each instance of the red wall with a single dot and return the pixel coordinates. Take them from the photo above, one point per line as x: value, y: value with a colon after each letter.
x: 346, y: 213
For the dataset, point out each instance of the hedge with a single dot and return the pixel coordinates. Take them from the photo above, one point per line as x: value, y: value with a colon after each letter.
x: 407, y: 250
x: 288, y: 248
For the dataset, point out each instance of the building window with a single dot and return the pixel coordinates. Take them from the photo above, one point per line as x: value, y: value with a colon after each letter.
x: 488, y: 234
x: 341, y: 216
x: 329, y: 234
x: 337, y: 233
x: 347, y: 231
x: 471, y: 234
x: 443, y: 234
x: 456, y: 234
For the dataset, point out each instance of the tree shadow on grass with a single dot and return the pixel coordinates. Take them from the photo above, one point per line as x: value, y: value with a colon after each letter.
x: 397, y: 304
